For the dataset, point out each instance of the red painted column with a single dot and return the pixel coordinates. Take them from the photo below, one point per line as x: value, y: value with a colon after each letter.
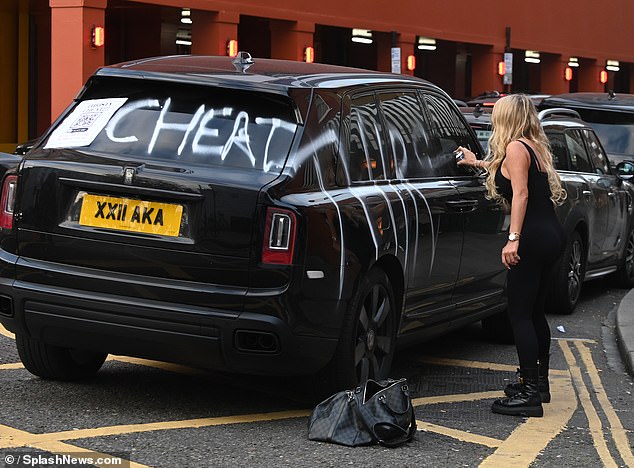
x: 290, y: 38
x: 552, y: 75
x: 211, y: 31
x: 484, y: 69
x: 73, y: 59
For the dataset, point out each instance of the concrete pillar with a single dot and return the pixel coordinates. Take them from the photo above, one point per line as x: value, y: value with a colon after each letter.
x: 552, y: 74
x: 73, y: 59
x: 290, y: 38
x: 484, y: 69
x: 211, y: 31
x: 588, y: 72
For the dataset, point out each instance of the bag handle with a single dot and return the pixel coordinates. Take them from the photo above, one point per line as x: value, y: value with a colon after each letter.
x: 369, y: 421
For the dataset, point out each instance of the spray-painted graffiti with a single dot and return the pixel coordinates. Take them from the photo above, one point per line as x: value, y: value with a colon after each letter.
x: 221, y: 136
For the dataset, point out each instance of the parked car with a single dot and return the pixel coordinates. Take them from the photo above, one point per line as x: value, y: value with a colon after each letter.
x: 610, y: 114
x: 254, y: 216
x: 597, y: 213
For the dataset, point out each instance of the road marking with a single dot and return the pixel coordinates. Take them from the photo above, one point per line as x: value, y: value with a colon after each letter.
x: 460, y: 435
x: 478, y: 365
x: 14, y: 438
x: 29, y: 439
x: 7, y: 333
x: 12, y: 365
x: 531, y: 437
x: 166, y: 366
x: 594, y: 422
x: 455, y: 398
x: 618, y: 432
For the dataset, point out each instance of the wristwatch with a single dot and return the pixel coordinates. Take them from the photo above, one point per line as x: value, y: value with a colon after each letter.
x: 514, y: 236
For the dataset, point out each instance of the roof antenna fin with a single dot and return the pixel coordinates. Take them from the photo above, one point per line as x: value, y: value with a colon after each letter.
x: 243, y: 61
x: 611, y: 94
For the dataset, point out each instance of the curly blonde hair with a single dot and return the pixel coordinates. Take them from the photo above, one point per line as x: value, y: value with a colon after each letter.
x: 514, y: 117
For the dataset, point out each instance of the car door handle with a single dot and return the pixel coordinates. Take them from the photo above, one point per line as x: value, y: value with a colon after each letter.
x: 587, y: 193
x: 611, y: 194
x: 462, y: 206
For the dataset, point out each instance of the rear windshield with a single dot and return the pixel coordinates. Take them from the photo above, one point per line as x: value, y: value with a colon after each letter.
x: 171, y: 121
x: 615, y: 129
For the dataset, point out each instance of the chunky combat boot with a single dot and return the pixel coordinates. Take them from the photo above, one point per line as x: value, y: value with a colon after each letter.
x: 542, y: 384
x: 526, y: 402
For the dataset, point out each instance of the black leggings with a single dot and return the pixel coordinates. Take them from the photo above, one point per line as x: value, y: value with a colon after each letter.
x: 527, y: 286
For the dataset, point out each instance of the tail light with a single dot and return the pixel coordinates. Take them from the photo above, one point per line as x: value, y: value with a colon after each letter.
x: 279, y: 236
x: 7, y: 202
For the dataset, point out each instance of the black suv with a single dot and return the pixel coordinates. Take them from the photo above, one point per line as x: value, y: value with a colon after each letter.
x: 611, y: 115
x: 255, y: 216
x: 597, y: 214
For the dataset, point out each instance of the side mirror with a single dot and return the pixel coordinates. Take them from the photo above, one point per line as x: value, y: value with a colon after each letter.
x: 625, y: 170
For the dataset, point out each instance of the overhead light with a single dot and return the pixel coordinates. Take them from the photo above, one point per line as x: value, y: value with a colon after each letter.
x: 531, y: 56
x: 425, y: 43
x: 362, y: 36
x: 573, y: 62
x: 186, y: 16
x: 184, y: 37
x: 612, y: 65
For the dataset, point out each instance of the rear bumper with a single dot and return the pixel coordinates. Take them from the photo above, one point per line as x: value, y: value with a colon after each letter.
x: 191, y: 335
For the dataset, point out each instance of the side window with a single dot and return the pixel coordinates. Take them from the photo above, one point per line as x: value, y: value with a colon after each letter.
x: 579, y: 158
x: 560, y: 151
x: 407, y: 134
x: 601, y: 165
x: 366, y: 158
x: 449, y: 132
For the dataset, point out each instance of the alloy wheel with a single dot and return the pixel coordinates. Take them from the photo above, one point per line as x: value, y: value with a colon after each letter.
x: 575, y: 270
x: 375, y: 335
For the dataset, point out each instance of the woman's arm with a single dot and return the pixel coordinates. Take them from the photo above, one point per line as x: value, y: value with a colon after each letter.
x: 470, y: 159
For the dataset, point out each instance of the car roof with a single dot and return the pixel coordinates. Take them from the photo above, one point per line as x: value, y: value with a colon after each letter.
x: 551, y: 119
x: 609, y: 101
x: 269, y: 74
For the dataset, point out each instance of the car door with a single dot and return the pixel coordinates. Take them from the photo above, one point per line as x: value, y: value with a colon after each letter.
x: 616, y: 197
x: 595, y: 194
x: 434, y: 231
x: 481, y: 275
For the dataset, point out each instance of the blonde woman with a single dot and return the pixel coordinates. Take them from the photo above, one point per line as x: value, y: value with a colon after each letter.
x: 521, y: 175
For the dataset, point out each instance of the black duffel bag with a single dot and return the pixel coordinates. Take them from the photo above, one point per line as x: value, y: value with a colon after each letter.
x: 377, y: 412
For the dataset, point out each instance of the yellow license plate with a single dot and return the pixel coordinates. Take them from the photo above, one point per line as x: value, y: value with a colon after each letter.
x: 131, y: 215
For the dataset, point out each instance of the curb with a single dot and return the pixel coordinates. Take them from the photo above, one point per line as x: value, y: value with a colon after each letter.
x: 625, y: 330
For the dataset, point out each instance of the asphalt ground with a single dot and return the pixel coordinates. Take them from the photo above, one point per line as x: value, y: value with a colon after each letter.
x: 158, y: 414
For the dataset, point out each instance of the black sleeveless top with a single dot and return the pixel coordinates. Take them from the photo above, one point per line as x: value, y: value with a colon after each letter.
x: 542, y: 232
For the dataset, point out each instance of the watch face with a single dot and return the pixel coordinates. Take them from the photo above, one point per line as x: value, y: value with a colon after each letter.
x: 513, y: 237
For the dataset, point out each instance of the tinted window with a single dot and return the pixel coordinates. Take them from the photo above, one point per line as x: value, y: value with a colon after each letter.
x: 559, y: 150
x: 407, y: 134
x: 615, y: 129
x: 449, y: 133
x: 366, y: 158
x: 597, y: 155
x: 170, y: 121
x: 579, y: 159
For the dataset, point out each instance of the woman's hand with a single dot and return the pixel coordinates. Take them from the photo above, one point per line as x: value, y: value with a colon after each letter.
x: 509, y: 254
x: 469, y: 157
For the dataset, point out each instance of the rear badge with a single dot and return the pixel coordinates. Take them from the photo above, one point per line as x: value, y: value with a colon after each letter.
x: 128, y: 175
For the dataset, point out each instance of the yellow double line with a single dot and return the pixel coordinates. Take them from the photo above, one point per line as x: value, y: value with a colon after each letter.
x: 602, y: 404
x: 519, y: 449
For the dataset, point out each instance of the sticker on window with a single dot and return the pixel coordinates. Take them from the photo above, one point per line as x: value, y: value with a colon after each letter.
x: 84, y: 123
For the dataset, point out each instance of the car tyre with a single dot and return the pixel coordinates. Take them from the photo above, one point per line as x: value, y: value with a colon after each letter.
x: 368, y: 337
x: 625, y: 273
x: 568, y: 278
x: 55, y: 363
